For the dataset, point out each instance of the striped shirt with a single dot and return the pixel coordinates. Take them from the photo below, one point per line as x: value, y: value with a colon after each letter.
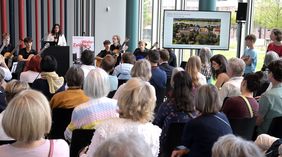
x: 91, y: 113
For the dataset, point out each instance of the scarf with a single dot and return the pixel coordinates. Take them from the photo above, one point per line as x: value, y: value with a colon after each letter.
x: 54, y: 81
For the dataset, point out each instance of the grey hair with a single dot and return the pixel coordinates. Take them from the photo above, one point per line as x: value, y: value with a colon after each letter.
x: 174, y: 71
x: 205, y: 55
x: 269, y: 57
x: 236, y: 66
x: 125, y: 145
x: 96, y: 84
x: 232, y: 146
x: 142, y: 69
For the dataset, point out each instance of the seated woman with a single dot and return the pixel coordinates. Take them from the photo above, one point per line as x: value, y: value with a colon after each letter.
x: 232, y: 146
x: 180, y: 108
x: 201, y: 133
x: 32, y: 70
x: 12, y: 88
x: 74, y: 95
x: 27, y: 119
x: 193, y: 68
x: 50, y: 82
x: 245, y: 105
x: 98, y: 108
x: 142, y: 70
x: 135, y: 115
x: 219, y: 64
x: 205, y: 55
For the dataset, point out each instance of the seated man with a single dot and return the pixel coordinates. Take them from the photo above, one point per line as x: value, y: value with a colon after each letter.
x: 26, y: 53
x: 235, y: 70
x: 122, y: 71
x: 270, y: 103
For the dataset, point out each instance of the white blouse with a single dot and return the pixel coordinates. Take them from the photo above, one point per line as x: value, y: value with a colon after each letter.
x: 151, y: 133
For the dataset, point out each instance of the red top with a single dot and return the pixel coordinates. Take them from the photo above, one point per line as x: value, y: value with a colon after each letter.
x: 275, y: 48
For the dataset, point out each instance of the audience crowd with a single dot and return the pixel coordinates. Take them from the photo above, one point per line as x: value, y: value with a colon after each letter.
x: 131, y: 101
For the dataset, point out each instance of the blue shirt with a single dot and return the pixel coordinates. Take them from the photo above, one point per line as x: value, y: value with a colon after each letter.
x: 252, y: 67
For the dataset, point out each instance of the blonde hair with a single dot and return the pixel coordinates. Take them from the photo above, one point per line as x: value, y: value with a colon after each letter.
x: 232, y: 146
x: 142, y: 69
x: 27, y: 117
x: 138, y: 100
x: 14, y: 87
x: 96, y: 84
x: 193, y: 67
x: 207, y: 99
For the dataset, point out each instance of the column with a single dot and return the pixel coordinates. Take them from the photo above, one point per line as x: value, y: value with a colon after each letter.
x: 132, y: 23
x: 207, y: 5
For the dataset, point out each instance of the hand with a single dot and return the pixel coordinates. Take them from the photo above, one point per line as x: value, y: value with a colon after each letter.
x: 83, y: 152
x: 179, y: 153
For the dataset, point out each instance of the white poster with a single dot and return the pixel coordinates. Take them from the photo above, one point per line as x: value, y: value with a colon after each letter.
x: 81, y: 43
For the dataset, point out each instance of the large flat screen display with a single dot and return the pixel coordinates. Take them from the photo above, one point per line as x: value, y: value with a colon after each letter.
x: 196, y: 29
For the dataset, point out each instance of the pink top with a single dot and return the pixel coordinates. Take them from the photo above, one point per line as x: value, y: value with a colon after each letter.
x: 61, y: 149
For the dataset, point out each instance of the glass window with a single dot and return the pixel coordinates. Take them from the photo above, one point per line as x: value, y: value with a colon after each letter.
x: 146, y: 34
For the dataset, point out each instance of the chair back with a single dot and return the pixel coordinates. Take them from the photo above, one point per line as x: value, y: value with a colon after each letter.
x: 61, y: 118
x: 2, y: 142
x: 80, y: 139
x: 275, y: 128
x: 243, y: 127
x: 173, y: 139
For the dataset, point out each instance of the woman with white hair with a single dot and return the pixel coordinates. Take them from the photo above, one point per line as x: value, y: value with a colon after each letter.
x: 27, y: 119
x: 98, y: 108
x: 232, y: 146
x: 124, y: 145
x: 136, y: 108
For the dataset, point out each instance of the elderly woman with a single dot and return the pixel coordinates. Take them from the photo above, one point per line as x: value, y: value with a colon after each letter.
x: 235, y: 71
x: 219, y: 73
x: 74, y: 95
x: 124, y: 145
x: 27, y: 119
x: 32, y: 70
x: 98, y: 108
x: 50, y: 82
x: 12, y: 88
x: 232, y: 146
x: 135, y: 115
x: 179, y: 109
x: 200, y: 133
x: 193, y: 68
x: 142, y: 70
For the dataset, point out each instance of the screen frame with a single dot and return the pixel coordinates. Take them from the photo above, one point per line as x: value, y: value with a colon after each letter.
x: 198, y: 46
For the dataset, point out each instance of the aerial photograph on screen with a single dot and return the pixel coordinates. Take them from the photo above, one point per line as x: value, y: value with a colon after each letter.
x: 196, y: 31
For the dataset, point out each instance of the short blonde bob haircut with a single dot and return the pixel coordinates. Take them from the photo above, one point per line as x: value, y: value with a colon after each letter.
x: 232, y: 146
x: 138, y: 100
x: 27, y: 117
x: 142, y: 69
x: 207, y: 99
x: 97, y: 83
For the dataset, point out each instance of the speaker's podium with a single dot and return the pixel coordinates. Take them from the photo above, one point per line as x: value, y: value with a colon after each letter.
x: 62, y: 55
